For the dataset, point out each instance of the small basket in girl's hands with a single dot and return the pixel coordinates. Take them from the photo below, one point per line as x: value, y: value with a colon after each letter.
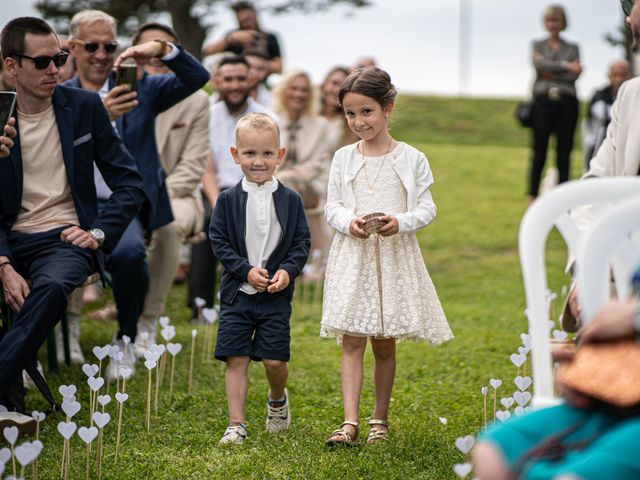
x: 372, y: 222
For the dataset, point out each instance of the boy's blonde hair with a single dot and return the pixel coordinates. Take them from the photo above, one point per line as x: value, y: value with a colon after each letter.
x: 256, y: 121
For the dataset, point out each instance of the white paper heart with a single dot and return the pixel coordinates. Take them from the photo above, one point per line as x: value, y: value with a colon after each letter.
x: 462, y: 469
x: 144, y: 336
x: 122, y: 397
x: 70, y: 408
x: 209, y: 314
x: 88, y: 435
x: 200, y: 302
x: 164, y: 321
x: 443, y: 420
x: 465, y: 444
x: 518, y: 359
x: 168, y: 333
x: 90, y: 370
x: 125, y: 372
x: 126, y: 339
x: 503, y: 415
x: 95, y: 383
x: 113, y: 350
x: 67, y: 429
x: 518, y: 411
x: 522, y: 398
x: 119, y: 356
x: 151, y: 355
x: 522, y: 382
x: 37, y: 446
x: 11, y: 434
x: 38, y: 416
x: 495, y: 383
x: 150, y: 364
x: 551, y: 296
x: 551, y: 324
x: 67, y: 390
x: 5, y: 455
x: 484, y: 391
x: 526, y: 340
x: 523, y: 350
x: 100, y: 352
x: 26, y: 453
x: 194, y: 333
x: 507, y: 402
x: 158, y: 350
x: 174, y: 348
x: 559, y: 334
x: 104, y: 400
x: 101, y: 419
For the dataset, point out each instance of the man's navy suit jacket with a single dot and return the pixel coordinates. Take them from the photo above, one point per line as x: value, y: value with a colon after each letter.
x: 86, y: 136
x: 156, y: 93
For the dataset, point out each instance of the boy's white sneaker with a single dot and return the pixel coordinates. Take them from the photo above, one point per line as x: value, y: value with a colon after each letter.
x: 235, y: 434
x: 278, y: 418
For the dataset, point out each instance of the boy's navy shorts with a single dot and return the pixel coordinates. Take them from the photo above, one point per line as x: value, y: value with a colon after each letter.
x: 256, y: 326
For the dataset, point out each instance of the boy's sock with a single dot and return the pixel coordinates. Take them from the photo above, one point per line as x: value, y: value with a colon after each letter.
x: 276, y: 403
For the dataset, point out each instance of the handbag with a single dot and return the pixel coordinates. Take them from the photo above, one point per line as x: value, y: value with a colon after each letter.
x: 524, y: 113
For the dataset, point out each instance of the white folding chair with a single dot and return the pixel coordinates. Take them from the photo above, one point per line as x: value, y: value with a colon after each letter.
x: 612, y: 244
x: 553, y: 210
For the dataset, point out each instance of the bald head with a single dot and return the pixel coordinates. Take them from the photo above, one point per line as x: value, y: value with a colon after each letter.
x: 619, y: 72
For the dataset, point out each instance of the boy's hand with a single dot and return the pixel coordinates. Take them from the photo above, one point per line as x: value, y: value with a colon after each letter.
x: 258, y: 278
x: 279, y: 281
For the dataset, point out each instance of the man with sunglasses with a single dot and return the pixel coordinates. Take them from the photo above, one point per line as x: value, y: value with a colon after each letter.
x: 93, y: 46
x: 51, y: 231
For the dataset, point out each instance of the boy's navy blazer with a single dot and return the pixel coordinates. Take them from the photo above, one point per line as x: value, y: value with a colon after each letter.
x: 156, y: 93
x: 86, y: 136
x: 227, y: 231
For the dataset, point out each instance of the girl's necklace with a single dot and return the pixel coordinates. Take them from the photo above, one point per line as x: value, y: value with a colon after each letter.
x: 364, y: 166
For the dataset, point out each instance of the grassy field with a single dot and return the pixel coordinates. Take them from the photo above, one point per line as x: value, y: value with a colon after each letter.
x: 479, y: 159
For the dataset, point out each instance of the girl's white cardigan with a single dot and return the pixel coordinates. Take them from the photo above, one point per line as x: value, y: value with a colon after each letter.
x: 411, y: 166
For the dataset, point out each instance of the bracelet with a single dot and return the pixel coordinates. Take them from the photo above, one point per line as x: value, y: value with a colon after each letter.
x: 164, y: 47
x: 2, y: 264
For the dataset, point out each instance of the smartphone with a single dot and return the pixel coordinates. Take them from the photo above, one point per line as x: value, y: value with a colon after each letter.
x: 127, y: 75
x: 7, y: 104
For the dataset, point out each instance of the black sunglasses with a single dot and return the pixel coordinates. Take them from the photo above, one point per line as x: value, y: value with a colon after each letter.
x: 41, y: 62
x: 627, y: 6
x: 92, y: 47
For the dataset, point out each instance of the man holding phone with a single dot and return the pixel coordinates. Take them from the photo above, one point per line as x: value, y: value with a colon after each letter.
x: 51, y: 232
x: 133, y: 112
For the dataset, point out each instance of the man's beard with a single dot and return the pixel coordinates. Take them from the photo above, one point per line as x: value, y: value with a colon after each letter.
x: 234, y: 107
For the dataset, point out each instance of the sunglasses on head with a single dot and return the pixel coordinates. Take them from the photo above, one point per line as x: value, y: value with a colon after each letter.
x: 92, y: 47
x: 627, y: 6
x: 41, y: 62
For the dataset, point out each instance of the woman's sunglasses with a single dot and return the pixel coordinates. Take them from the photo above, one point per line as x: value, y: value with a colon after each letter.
x: 627, y: 6
x: 92, y: 47
x: 42, y: 61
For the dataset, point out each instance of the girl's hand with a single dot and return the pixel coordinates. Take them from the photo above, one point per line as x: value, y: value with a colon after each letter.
x: 355, y: 229
x: 391, y: 227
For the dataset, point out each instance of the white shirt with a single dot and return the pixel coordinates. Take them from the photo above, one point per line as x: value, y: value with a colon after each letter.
x: 222, y: 134
x: 262, y: 231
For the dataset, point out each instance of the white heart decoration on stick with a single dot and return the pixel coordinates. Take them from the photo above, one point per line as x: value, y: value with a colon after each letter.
x: 101, y: 419
x: 210, y: 315
x: 168, y: 333
x: 122, y: 397
x: 522, y: 398
x: 518, y: 359
x: 194, y: 333
x: 158, y: 349
x: 518, y: 411
x: 151, y: 355
x: 104, y: 400
x: 126, y: 339
x: 484, y: 391
x: 560, y: 334
x: 38, y: 416
x: 495, y: 383
x: 465, y: 444
x: 88, y: 435
x: 67, y: 390
x: 526, y: 340
x: 174, y: 348
x: 144, y: 336
x: 125, y: 372
x: 90, y: 370
x: 67, y: 429
x: 70, y: 408
x: 522, y: 382
x: 5, y: 455
x: 26, y: 453
x: 164, y: 321
x: 462, y: 469
x: 200, y: 302
x: 150, y: 364
x: 95, y: 383
x: 503, y: 415
x: 11, y: 434
x: 443, y: 420
x: 507, y: 402
x: 100, y: 352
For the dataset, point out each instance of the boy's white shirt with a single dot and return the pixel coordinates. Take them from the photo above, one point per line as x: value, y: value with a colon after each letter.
x: 411, y: 166
x: 262, y: 229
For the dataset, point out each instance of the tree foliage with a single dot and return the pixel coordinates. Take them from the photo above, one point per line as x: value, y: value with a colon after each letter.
x: 192, y: 19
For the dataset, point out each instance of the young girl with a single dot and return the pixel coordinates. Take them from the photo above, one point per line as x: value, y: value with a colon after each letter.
x: 376, y: 285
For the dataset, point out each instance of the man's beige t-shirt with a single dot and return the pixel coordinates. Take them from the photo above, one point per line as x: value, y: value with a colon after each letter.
x: 46, y: 196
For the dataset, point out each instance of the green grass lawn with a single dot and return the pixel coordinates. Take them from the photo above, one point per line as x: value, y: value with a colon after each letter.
x: 479, y: 159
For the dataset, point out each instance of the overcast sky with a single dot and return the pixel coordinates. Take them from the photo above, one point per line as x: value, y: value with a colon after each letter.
x: 417, y: 41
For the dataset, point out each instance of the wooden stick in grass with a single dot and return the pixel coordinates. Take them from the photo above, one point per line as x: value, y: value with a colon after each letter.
x: 194, y: 333
x: 485, y: 391
x: 120, y: 398
x: 172, y: 349
x: 150, y: 364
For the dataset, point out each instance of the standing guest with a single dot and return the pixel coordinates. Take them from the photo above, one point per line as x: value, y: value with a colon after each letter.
x: 93, y: 45
x: 260, y: 234
x: 376, y: 284
x: 258, y: 73
x: 598, y: 115
x: 330, y: 109
x: 306, y: 165
x: 231, y: 81
x: 248, y: 36
x: 182, y: 136
x: 555, y: 105
x: 68, y: 70
x: 6, y: 81
x: 52, y: 231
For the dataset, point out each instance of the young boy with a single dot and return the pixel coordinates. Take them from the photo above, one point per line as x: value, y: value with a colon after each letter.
x: 260, y: 234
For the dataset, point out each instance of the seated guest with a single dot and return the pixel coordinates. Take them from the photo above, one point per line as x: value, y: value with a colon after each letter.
x: 331, y: 109
x: 52, y: 232
x: 258, y: 72
x: 182, y: 136
x: 306, y: 137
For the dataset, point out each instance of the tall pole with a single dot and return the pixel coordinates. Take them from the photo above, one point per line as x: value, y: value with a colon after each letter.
x: 465, y: 47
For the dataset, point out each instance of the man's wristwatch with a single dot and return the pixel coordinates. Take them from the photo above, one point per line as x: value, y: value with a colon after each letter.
x: 98, y: 235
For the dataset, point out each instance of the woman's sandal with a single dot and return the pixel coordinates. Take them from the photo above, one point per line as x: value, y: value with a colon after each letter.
x: 376, y: 434
x: 341, y: 436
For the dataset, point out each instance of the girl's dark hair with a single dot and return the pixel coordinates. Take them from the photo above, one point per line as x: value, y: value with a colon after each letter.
x: 371, y: 82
